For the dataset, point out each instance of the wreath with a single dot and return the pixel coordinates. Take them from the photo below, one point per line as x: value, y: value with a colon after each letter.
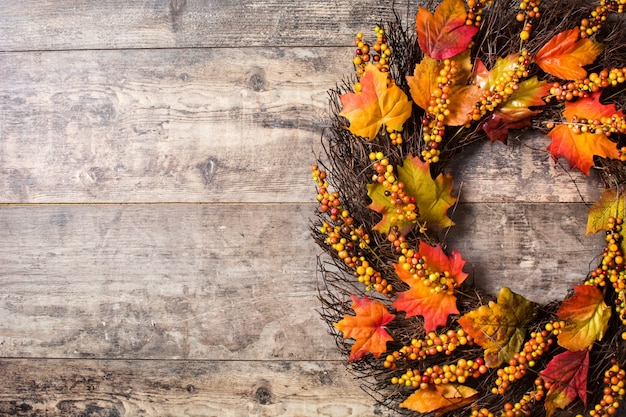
x: 395, y: 296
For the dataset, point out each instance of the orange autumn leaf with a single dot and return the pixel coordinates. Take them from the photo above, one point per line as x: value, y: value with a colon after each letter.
x: 432, y: 196
x: 420, y: 299
x: 440, y: 398
x: 579, y: 148
x: 379, y: 103
x: 444, y: 34
x: 565, y: 55
x: 462, y: 96
x: 586, y: 317
x: 500, y: 328
x: 424, y: 81
x: 367, y: 327
x: 567, y: 372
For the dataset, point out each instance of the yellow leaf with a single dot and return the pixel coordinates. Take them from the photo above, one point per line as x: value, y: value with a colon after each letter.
x: 611, y: 204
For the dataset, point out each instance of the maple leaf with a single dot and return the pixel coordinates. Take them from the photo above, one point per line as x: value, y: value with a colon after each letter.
x: 567, y: 373
x: 419, y: 299
x: 579, y: 148
x: 516, y: 112
x: 366, y: 328
x: 462, y: 96
x: 440, y: 398
x: 433, y: 198
x: 586, y: 317
x: 444, y: 34
x: 500, y: 328
x: 379, y: 103
x: 565, y: 55
x: 612, y: 203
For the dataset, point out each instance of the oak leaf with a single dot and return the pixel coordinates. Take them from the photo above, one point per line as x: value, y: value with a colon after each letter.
x: 567, y: 374
x: 565, y: 55
x: 444, y: 34
x: 440, y: 398
x: 586, y: 317
x: 380, y: 102
x: 432, y: 196
x: 419, y: 299
x: 500, y: 328
x: 577, y: 147
x: 367, y: 328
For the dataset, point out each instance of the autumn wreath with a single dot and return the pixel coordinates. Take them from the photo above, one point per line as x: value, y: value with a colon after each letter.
x: 395, y: 295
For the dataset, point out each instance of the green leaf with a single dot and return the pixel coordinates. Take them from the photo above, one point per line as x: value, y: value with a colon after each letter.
x: 500, y: 327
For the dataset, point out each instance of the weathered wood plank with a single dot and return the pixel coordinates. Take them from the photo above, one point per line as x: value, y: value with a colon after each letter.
x: 107, y: 24
x: 159, y: 281
x: 159, y: 126
x: 97, y: 388
x: 228, y: 281
x: 539, y: 250
x: 522, y: 170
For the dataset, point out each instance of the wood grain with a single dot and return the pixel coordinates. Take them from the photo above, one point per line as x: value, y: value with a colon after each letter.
x: 160, y: 281
x: 101, y: 388
x: 228, y: 282
x: 108, y: 24
x: 159, y: 126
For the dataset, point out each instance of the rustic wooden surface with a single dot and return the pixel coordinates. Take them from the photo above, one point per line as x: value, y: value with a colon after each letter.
x: 155, y: 199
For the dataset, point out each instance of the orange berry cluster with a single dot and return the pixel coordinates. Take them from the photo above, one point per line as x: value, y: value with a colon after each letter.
x: 431, y: 345
x: 438, y: 281
x: 505, y: 86
x: 590, y: 25
x: 378, y: 54
x: 433, y: 122
x: 592, y: 83
x: 622, y: 154
x: 457, y: 372
x: 345, y: 238
x: 405, y: 205
x: 535, y: 347
x: 474, y: 11
x: 523, y: 408
x: 611, y: 268
x: 613, y: 393
x: 529, y: 11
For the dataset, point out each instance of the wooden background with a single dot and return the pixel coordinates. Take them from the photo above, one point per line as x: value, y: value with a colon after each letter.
x: 155, y: 199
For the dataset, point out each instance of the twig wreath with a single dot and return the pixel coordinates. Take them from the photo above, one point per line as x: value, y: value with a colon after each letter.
x: 394, y: 294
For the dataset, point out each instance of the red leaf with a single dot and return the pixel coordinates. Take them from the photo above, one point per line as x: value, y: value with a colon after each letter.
x: 579, y: 148
x: 444, y: 34
x: 498, y: 124
x: 419, y: 299
x: 367, y: 327
x: 567, y: 373
x: 380, y: 102
x: 565, y: 55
